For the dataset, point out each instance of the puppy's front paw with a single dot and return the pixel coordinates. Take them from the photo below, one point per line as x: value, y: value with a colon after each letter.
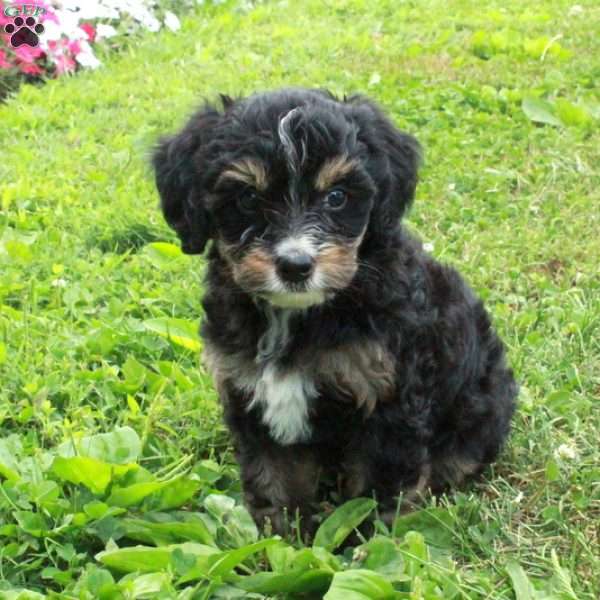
x: 283, y: 521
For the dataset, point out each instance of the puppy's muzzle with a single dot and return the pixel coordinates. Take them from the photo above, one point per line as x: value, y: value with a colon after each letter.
x: 294, y: 266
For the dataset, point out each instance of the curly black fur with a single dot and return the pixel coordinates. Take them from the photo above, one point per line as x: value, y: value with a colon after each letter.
x: 405, y: 381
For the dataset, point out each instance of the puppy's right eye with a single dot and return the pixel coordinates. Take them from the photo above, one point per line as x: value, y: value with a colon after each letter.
x: 248, y: 201
x: 336, y: 199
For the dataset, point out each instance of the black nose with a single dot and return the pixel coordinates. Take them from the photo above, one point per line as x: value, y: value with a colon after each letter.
x: 294, y: 267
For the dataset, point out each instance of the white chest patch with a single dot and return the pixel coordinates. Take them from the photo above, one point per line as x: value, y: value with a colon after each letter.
x: 284, y: 399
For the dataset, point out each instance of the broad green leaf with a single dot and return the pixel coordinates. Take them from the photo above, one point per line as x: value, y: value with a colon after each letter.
x: 146, y: 559
x: 32, y: 523
x: 359, y: 584
x: 208, y: 471
x: 160, y: 495
x: 540, y: 111
x: 314, y: 581
x: 219, y: 505
x: 384, y: 556
x: 315, y: 557
x: 167, y: 532
x: 148, y: 585
x: 95, y: 509
x: 94, y: 474
x: 321, y: 558
x: 162, y: 254
x: 98, y: 582
x: 44, y: 493
x: 241, y: 526
x: 121, y: 446
x: 20, y: 595
x: 138, y: 475
x: 18, y: 251
x: 415, y: 553
x: 280, y: 556
x: 223, y: 563
x: 182, y: 562
x: 520, y: 582
x: 336, y: 528
x: 183, y: 333
x: 435, y: 524
x: 572, y: 114
x: 134, y: 373
x: 133, y: 494
x: 231, y: 559
x: 173, y: 495
x: 8, y: 465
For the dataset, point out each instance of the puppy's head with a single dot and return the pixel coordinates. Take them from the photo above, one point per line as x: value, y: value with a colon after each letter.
x: 288, y: 184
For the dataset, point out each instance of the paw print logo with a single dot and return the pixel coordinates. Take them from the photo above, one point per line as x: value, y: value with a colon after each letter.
x: 24, y: 31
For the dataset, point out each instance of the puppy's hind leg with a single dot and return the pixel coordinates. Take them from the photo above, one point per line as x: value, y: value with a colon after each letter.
x: 475, y: 433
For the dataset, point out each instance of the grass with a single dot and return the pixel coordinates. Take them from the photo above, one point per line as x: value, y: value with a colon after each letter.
x: 116, y: 477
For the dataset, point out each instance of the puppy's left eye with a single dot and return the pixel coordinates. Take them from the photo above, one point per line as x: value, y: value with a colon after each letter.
x: 336, y: 199
x: 248, y: 201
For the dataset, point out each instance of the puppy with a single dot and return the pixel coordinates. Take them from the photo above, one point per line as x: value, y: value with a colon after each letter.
x: 337, y: 345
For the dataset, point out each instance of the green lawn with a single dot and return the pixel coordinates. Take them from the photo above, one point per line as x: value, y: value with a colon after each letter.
x: 110, y: 433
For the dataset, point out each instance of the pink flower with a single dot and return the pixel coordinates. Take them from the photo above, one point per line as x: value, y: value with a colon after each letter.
x: 74, y: 47
x: 49, y: 15
x: 64, y: 64
x: 90, y: 31
x: 28, y: 54
x: 30, y: 68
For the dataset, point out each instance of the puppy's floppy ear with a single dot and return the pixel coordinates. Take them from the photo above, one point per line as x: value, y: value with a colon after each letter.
x: 394, y: 158
x: 180, y: 184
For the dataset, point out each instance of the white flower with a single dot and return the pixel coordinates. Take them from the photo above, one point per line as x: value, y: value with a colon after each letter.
x: 86, y: 57
x: 59, y: 283
x: 575, y: 10
x: 150, y: 22
x: 428, y: 247
x: 68, y: 26
x: 565, y: 451
x: 90, y: 9
x: 375, y: 79
x: 52, y: 32
x: 171, y: 21
x: 105, y: 31
x: 519, y: 497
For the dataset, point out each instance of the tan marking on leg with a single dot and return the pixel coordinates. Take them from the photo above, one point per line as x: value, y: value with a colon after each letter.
x: 417, y: 492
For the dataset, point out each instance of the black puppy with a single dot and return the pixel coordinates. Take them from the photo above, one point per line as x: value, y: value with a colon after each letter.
x: 335, y: 342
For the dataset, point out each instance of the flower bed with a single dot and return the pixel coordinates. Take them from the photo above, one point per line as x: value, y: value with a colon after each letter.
x: 72, y: 32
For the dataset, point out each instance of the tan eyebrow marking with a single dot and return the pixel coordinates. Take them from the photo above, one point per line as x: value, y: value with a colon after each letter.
x: 249, y: 171
x: 333, y: 170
